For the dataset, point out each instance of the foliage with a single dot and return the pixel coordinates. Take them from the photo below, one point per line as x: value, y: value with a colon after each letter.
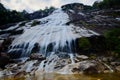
x: 84, y: 43
x: 107, y: 4
x: 86, y: 7
x: 72, y: 6
x: 34, y: 23
x: 113, y: 40
x: 12, y: 16
x: 7, y: 16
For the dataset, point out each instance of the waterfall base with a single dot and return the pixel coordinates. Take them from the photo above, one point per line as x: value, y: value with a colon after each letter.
x: 66, y: 63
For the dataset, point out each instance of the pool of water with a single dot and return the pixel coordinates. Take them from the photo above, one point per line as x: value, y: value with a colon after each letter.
x: 110, y: 76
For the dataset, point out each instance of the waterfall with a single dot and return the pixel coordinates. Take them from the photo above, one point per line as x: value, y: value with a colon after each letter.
x: 52, y: 35
x: 41, y: 66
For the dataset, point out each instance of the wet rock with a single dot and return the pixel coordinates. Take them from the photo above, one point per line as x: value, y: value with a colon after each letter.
x: 16, y: 32
x: 1, y: 74
x: 4, y: 60
x: 20, y: 74
x: 89, y: 67
x: 81, y: 57
x: 70, y: 69
x: 115, y: 63
x: 36, y: 48
x: 80, y: 67
x: 118, y: 68
x: 36, y: 56
x: 63, y: 55
x: 6, y: 44
x: 1, y: 42
x: 7, y: 26
x: 15, y: 53
x: 91, y: 70
x: 83, y: 65
x: 106, y: 71
x: 0, y: 69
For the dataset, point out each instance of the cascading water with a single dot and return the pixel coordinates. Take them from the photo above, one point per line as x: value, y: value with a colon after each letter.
x: 52, y: 35
x: 52, y: 38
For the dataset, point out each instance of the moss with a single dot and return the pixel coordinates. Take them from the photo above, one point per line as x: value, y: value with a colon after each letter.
x: 84, y: 43
x: 34, y: 23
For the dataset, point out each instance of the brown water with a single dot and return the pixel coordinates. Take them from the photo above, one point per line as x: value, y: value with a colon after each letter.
x: 111, y: 76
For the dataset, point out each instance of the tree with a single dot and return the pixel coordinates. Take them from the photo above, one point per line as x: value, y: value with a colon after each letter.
x: 107, y: 4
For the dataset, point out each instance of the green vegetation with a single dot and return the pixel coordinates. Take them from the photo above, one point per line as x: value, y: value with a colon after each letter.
x: 84, y: 43
x: 7, y: 16
x: 34, y: 23
x: 12, y: 16
x: 113, y: 40
x: 107, y: 4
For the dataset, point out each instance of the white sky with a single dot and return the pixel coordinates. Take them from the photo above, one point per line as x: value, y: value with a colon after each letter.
x: 33, y: 5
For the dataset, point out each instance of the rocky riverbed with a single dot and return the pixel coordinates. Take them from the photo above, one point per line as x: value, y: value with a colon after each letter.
x: 37, y: 64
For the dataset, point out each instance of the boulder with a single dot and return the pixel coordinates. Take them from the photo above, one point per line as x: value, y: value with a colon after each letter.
x: 91, y: 70
x: 86, y: 67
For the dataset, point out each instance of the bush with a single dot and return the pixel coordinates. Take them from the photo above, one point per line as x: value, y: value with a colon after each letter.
x: 113, y: 40
x: 107, y: 4
x: 34, y: 23
x: 84, y: 43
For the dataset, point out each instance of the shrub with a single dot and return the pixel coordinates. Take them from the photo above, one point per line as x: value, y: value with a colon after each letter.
x: 84, y: 43
x: 34, y: 23
x: 113, y: 40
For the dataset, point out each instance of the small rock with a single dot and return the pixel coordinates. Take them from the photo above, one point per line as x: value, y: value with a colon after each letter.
x: 118, y: 68
x: 107, y: 71
x: 82, y: 57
